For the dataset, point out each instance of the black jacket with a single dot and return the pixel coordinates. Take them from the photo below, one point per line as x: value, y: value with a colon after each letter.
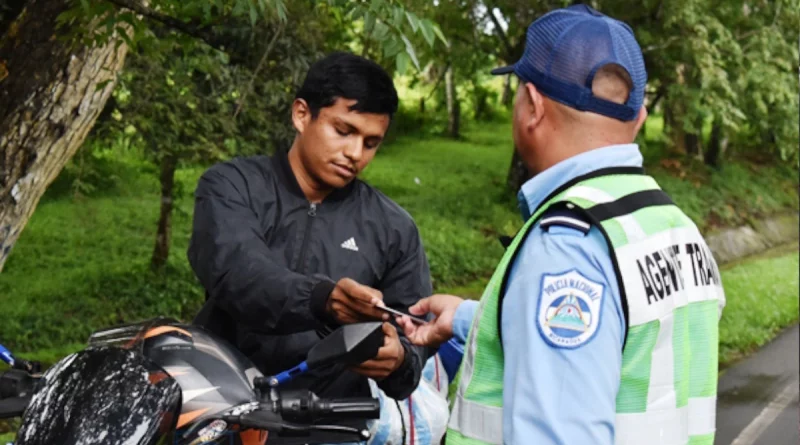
x: 268, y: 261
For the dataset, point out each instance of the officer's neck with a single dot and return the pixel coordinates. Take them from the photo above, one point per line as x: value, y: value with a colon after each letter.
x: 562, y: 145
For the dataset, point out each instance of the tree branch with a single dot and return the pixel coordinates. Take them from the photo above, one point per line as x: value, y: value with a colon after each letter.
x: 664, y: 45
x: 659, y: 95
x: 261, y: 62
x: 203, y: 33
x: 747, y: 34
x: 438, y: 81
x: 500, y: 33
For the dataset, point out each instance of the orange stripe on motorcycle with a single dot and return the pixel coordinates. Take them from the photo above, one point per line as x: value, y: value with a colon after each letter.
x: 191, y: 415
x: 165, y: 329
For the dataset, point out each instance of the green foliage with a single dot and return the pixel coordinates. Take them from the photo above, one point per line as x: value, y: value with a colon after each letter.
x: 723, y: 61
x: 216, y: 22
x: 731, y: 196
x: 176, y: 103
x: 387, y: 22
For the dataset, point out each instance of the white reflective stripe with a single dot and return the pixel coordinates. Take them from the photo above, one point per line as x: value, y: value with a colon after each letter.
x: 630, y: 257
x: 476, y: 421
x: 564, y: 219
x: 661, y: 391
x: 633, y: 231
x: 702, y: 415
x: 667, y: 427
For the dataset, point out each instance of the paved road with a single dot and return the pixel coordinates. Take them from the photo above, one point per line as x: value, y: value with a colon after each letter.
x: 758, y: 398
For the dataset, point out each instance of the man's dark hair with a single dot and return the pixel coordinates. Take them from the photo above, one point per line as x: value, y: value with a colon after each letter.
x: 348, y: 76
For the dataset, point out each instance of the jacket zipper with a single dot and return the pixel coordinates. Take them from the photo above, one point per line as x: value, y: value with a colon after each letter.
x: 312, y: 212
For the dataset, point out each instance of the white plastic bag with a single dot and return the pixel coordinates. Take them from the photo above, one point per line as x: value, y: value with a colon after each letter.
x: 429, y: 406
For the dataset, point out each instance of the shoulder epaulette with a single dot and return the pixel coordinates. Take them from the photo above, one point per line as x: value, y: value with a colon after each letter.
x: 566, y: 217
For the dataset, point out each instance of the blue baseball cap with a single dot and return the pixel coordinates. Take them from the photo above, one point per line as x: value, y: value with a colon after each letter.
x: 565, y: 48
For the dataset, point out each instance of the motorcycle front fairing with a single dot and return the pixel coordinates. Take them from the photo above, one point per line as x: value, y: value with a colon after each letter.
x: 102, y: 395
x: 128, y: 336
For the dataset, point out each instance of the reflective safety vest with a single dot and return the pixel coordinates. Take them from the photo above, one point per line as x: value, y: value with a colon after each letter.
x: 672, y: 297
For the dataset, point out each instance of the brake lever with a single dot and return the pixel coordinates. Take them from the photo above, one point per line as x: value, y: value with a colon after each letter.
x: 269, y: 421
x: 363, y: 435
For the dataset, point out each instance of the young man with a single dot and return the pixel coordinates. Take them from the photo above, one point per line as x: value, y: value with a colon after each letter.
x: 291, y: 246
x: 600, y: 324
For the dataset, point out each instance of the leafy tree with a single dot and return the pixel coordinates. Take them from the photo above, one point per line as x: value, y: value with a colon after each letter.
x: 59, y: 62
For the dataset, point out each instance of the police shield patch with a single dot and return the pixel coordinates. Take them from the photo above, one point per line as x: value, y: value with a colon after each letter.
x: 569, y: 309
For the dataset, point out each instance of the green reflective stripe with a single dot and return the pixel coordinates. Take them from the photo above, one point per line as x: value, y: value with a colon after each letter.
x: 661, y: 218
x: 491, y: 366
x: 682, y: 359
x: 704, y: 335
x: 632, y: 394
x: 456, y: 438
x: 705, y: 439
x: 620, y: 185
x: 490, y: 363
x: 615, y: 233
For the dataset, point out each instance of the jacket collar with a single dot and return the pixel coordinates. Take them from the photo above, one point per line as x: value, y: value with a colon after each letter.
x: 284, y: 170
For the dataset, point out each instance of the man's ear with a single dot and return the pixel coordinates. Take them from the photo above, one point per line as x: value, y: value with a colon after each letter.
x: 301, y: 115
x: 534, y: 106
x: 639, y: 121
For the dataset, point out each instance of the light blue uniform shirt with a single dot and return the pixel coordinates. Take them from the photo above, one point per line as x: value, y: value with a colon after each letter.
x: 556, y: 394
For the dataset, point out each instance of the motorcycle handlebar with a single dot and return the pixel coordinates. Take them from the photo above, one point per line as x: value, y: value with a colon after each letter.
x: 16, y: 387
x: 314, y: 408
x: 13, y: 407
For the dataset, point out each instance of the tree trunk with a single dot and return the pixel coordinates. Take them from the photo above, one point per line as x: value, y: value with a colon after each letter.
x: 49, y: 100
x: 717, y: 145
x: 517, y: 173
x: 161, y: 249
x: 506, y: 98
x: 692, y: 144
x: 673, y: 126
x: 421, y: 112
x: 453, y: 106
x: 481, y: 101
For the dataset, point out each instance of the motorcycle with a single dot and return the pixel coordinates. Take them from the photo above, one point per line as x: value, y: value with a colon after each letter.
x: 160, y: 381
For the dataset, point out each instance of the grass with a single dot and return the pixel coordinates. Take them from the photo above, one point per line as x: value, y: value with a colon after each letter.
x: 81, y: 263
x: 762, y: 299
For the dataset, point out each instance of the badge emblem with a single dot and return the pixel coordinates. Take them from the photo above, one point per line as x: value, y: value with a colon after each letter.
x: 569, y: 309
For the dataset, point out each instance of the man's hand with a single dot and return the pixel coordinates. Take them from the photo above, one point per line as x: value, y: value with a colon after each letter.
x: 351, y: 302
x: 437, y: 331
x: 390, y: 356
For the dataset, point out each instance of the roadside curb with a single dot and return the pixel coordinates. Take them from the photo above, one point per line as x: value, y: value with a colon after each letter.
x: 736, y: 243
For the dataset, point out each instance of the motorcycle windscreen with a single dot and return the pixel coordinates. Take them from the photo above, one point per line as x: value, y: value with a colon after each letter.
x: 126, y: 336
x: 102, y: 395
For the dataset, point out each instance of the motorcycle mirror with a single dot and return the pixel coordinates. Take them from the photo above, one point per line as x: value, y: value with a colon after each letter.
x: 349, y: 345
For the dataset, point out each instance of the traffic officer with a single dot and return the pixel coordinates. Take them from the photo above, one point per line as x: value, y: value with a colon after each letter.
x: 600, y: 324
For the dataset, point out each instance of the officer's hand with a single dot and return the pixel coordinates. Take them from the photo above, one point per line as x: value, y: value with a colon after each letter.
x: 436, y: 331
x: 390, y: 356
x: 351, y: 302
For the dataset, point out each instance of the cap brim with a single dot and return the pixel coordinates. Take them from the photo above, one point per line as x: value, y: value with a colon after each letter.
x: 503, y: 70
